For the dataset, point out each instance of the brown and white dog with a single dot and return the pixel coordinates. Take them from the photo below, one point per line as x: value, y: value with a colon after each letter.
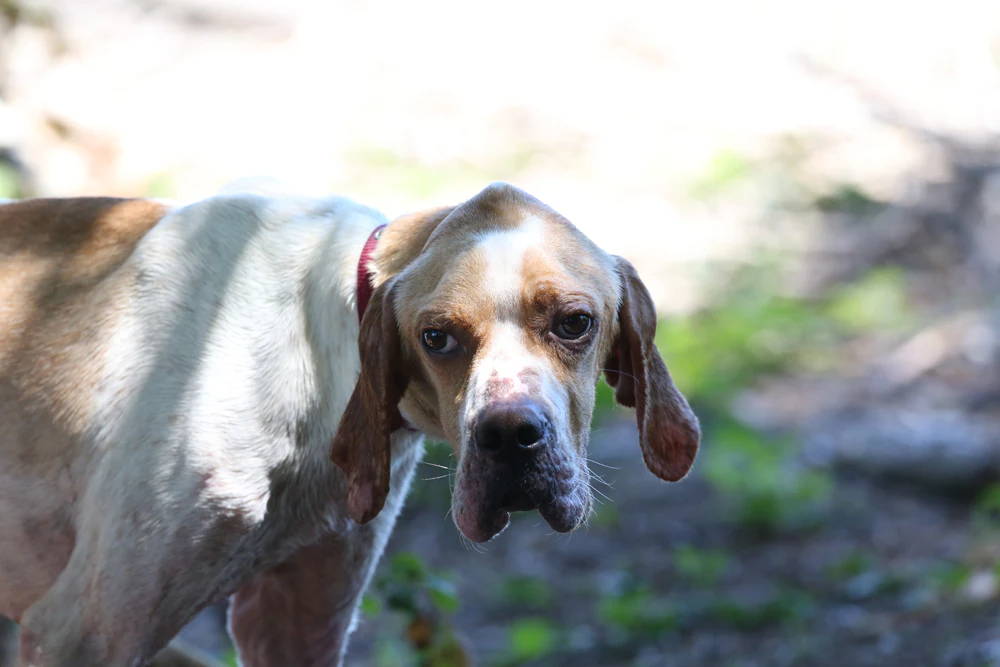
x: 172, y: 378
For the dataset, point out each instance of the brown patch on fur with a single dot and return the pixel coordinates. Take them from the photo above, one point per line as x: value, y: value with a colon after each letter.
x: 60, y: 264
x: 405, y: 238
x: 57, y: 259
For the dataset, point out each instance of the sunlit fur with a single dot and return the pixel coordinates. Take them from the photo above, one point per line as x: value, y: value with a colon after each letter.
x: 170, y: 380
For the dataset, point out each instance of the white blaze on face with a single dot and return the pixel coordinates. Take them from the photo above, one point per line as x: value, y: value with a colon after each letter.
x: 506, y: 369
x: 504, y: 252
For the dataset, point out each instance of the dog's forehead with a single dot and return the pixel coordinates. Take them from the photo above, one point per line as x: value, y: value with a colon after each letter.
x: 500, y: 247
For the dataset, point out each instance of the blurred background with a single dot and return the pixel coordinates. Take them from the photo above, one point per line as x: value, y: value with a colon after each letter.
x: 811, y: 191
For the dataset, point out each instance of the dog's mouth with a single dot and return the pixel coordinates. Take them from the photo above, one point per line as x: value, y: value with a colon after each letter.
x: 486, y: 494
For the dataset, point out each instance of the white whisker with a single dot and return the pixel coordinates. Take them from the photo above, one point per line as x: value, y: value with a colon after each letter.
x: 603, y: 465
x: 612, y: 370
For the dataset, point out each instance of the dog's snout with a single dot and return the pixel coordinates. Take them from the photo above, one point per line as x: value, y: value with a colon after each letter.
x: 510, y: 427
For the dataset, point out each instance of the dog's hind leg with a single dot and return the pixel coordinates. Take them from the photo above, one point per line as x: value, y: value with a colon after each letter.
x: 134, y: 579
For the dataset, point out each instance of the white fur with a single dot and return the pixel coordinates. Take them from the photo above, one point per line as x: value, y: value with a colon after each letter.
x: 234, y: 359
x: 503, y: 251
x: 508, y: 358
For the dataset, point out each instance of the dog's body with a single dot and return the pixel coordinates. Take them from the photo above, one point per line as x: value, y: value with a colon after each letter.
x: 171, y: 380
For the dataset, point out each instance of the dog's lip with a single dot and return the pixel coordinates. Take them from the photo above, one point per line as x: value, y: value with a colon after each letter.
x: 483, y: 528
x: 561, y: 515
x: 500, y: 489
x: 517, y: 500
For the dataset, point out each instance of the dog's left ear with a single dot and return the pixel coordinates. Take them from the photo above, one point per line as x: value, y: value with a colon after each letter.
x: 668, y: 429
x: 361, y: 446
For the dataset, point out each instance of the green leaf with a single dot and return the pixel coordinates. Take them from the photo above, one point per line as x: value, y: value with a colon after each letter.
x: 724, y: 171
x: 407, y: 567
x: 10, y: 187
x: 532, y: 638
x: 371, y: 606
x: 638, y: 613
x: 704, y: 566
x: 443, y: 594
x: 525, y: 592
x: 877, y: 302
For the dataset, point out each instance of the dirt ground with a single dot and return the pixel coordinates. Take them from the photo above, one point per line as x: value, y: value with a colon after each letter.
x: 873, y: 581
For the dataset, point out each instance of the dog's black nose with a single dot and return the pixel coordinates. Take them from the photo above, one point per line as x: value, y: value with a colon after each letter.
x: 508, y: 427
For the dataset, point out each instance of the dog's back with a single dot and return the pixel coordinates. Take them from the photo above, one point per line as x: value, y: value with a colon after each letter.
x: 57, y: 258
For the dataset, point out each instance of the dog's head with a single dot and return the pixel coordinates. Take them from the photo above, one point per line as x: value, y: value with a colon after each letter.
x: 491, y: 329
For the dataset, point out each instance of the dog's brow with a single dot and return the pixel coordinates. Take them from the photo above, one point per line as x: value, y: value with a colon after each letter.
x: 555, y: 294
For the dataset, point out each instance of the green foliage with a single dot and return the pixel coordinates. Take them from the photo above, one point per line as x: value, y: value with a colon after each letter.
x: 161, y: 186
x: 443, y: 595
x: 783, y: 606
x: 422, y: 601
x: 850, y: 199
x: 855, y: 563
x: 636, y: 614
x: 986, y: 511
x: 949, y: 577
x: 704, y: 567
x: 860, y: 576
x: 525, y: 592
x: 724, y: 171
x: 767, y: 492
x: 876, y: 302
x: 410, y: 587
x: 10, y: 184
x: 751, y: 330
x: 604, y: 401
x: 606, y: 515
x: 407, y: 175
x: 391, y: 652
x: 530, y: 639
x: 371, y: 605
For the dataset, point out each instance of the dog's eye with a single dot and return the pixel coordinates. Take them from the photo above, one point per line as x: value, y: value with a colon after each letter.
x: 438, y: 341
x: 574, y: 326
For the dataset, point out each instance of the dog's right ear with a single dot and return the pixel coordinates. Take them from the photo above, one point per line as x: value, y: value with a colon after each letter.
x: 361, y: 446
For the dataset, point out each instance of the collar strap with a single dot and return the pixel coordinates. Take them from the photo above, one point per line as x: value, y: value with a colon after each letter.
x: 364, y: 274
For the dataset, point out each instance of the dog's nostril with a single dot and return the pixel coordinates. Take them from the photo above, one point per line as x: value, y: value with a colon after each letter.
x: 490, y: 438
x: 528, y: 434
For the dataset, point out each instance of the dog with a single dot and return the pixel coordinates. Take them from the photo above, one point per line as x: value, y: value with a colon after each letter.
x: 229, y: 398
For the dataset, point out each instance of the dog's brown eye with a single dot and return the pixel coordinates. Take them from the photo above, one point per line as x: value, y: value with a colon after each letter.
x: 574, y: 326
x: 438, y: 341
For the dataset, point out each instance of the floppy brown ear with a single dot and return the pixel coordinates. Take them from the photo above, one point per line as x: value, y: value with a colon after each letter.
x: 668, y: 429
x: 361, y: 446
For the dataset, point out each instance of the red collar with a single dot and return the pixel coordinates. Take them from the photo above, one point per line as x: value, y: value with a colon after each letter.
x: 364, y: 274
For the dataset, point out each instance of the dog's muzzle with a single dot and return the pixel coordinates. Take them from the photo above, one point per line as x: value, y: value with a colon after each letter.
x: 516, y: 464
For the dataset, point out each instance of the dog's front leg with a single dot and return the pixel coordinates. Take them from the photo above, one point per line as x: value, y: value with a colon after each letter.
x: 302, y: 611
